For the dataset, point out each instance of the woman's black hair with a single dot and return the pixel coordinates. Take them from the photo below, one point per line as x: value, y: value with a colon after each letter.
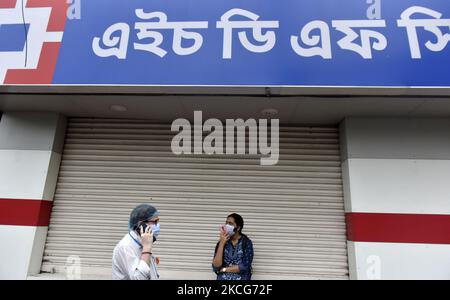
x: 238, y: 220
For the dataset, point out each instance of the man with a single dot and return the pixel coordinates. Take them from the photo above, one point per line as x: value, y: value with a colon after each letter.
x: 132, y: 256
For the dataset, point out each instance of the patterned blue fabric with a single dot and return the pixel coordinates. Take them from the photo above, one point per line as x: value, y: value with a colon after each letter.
x: 241, y: 255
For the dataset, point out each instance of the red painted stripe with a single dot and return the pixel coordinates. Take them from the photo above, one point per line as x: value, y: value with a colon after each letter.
x: 25, y: 212
x: 7, y: 3
x: 58, y: 15
x: 44, y: 72
x: 398, y: 228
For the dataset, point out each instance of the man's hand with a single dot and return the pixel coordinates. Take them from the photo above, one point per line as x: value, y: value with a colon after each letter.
x: 147, y: 239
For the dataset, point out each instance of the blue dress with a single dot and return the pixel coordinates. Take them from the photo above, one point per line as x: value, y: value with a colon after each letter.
x: 241, y: 255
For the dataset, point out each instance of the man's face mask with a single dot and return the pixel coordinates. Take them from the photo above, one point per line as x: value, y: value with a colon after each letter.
x: 156, y: 228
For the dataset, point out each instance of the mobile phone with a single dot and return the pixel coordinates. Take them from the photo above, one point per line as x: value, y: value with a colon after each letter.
x: 142, y: 226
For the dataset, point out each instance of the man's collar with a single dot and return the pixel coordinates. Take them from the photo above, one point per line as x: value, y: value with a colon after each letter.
x: 135, y: 238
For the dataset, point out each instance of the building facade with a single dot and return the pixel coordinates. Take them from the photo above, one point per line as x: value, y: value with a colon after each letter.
x: 89, y: 97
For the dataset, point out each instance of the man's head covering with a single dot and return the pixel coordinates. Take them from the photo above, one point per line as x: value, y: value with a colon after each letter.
x: 143, y: 212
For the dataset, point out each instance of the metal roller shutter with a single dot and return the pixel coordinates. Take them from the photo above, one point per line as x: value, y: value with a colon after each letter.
x: 293, y: 212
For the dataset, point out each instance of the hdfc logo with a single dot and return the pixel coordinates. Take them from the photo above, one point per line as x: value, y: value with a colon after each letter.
x: 31, y: 33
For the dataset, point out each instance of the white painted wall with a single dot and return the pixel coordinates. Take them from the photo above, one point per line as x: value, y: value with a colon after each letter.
x: 397, y: 186
x: 30, y: 147
x: 28, y: 174
x: 15, y: 250
x: 397, y: 165
x: 390, y: 261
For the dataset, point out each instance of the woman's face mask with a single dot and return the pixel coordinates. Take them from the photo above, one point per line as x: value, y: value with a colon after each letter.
x: 229, y: 229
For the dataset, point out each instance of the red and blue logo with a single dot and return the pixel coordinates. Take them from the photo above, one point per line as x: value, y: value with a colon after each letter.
x: 31, y: 33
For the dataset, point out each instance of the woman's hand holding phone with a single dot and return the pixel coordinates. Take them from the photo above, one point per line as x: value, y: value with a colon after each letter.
x: 224, y: 237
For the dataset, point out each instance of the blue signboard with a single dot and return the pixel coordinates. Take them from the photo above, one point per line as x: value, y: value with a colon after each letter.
x: 371, y: 43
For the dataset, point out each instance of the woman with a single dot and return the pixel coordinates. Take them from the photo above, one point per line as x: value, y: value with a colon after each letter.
x: 233, y: 255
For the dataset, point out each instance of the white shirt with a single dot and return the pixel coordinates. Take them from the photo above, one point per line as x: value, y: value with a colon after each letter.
x: 127, y: 263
